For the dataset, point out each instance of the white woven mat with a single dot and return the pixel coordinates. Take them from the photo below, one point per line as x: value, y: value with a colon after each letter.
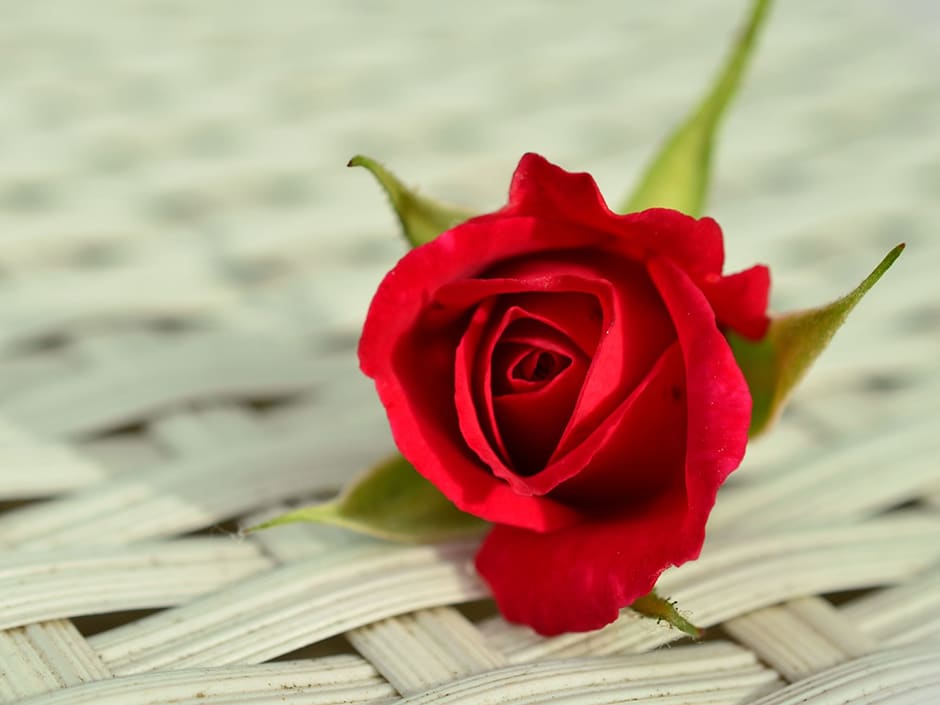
x: 185, y: 264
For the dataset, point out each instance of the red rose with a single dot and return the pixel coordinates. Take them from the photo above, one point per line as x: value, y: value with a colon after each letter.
x: 560, y: 370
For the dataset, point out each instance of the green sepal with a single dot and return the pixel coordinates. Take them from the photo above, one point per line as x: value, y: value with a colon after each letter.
x: 421, y: 218
x: 776, y: 363
x: 678, y: 175
x: 655, y: 607
x: 391, y: 501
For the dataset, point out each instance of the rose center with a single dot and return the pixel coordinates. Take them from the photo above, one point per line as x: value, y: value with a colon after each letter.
x: 539, y: 366
x: 536, y: 379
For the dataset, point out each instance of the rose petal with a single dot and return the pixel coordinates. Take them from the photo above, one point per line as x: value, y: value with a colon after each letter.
x: 636, y: 331
x: 740, y: 300
x: 539, y: 188
x: 719, y: 403
x: 473, y: 384
x: 567, y: 301
x: 576, y: 314
x: 643, y: 448
x: 578, y: 578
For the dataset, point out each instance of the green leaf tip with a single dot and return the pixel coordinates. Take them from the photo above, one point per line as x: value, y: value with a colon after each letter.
x: 391, y: 501
x: 422, y: 219
x: 775, y: 364
x: 308, y: 514
x: 678, y: 175
x: 655, y: 607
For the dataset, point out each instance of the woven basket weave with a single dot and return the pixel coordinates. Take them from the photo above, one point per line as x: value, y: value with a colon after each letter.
x: 184, y: 267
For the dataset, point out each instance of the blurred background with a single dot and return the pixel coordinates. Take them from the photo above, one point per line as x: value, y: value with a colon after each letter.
x: 170, y: 166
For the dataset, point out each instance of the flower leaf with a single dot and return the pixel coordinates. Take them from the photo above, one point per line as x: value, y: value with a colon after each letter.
x: 422, y: 219
x: 678, y: 175
x: 776, y: 363
x: 391, y: 501
x: 653, y: 606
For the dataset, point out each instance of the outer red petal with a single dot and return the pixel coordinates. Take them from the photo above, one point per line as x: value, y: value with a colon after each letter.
x: 719, y: 403
x: 740, y: 300
x: 577, y: 579
x: 539, y: 188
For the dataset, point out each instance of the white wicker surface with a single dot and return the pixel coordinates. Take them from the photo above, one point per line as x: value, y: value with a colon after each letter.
x: 184, y: 266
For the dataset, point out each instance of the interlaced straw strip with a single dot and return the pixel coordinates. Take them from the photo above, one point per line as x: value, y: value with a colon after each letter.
x: 337, y: 679
x: 284, y: 609
x: 49, y: 656
x: 196, y: 490
x: 905, y: 614
x: 822, y: 487
x: 718, y: 673
x: 428, y: 648
x: 40, y: 585
x: 906, y: 675
x: 801, y: 637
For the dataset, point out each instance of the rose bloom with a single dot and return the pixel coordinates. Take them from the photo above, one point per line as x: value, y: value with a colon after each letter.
x: 561, y: 371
